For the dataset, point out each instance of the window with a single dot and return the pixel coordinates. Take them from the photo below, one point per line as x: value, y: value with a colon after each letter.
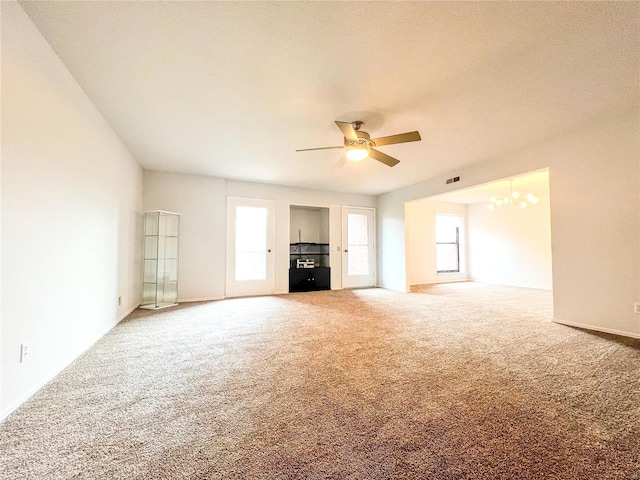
x: 448, y: 243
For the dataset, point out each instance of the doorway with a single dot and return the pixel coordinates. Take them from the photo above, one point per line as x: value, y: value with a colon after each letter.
x: 250, y: 239
x: 358, y: 254
x: 506, y: 244
x: 309, y: 253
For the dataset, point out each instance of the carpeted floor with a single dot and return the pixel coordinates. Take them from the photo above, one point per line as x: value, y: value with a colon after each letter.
x: 455, y: 381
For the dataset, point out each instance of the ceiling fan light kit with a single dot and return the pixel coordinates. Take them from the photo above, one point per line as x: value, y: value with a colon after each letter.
x: 358, y: 145
x: 357, y: 152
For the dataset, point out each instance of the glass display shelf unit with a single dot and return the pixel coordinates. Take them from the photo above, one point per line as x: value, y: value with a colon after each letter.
x: 161, y: 248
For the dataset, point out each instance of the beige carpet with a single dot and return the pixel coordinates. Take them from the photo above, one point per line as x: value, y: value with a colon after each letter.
x: 458, y: 381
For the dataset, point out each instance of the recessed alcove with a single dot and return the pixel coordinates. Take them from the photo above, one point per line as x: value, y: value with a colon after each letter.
x: 309, y: 249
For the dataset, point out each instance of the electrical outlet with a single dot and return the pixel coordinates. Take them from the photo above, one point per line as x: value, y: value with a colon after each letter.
x: 636, y: 308
x: 25, y: 350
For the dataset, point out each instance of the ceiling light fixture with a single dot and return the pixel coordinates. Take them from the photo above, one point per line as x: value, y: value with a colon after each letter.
x: 514, y: 199
x: 357, y: 151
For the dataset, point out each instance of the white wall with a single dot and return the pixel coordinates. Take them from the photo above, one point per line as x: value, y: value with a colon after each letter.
x: 595, y: 187
x: 201, y: 201
x: 309, y: 225
x: 511, y: 245
x: 392, y: 247
x: 420, y: 226
x: 284, y: 197
x: 595, y: 219
x: 324, y: 222
x: 71, y: 197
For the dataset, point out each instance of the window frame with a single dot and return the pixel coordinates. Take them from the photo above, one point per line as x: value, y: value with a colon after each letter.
x: 456, y: 243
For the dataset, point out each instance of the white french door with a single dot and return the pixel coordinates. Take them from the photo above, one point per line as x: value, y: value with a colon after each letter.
x: 250, y: 233
x: 358, y: 251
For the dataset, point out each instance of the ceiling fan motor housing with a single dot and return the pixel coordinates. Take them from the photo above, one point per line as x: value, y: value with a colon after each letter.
x: 358, y: 145
x: 363, y: 140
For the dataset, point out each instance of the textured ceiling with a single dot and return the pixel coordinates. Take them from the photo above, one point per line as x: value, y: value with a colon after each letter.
x: 231, y: 89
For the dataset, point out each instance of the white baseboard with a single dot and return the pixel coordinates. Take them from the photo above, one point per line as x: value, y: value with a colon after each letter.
x: 126, y: 314
x: 5, y: 413
x: 203, y: 299
x: 440, y: 282
x: 597, y: 329
x: 393, y: 289
x: 12, y: 408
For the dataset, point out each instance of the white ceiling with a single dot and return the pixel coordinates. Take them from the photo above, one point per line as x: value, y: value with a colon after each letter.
x: 231, y: 89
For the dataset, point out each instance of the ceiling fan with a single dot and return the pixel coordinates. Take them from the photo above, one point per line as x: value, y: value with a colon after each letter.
x: 359, y: 145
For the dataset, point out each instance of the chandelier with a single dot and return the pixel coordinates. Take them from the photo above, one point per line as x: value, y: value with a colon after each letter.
x: 515, y: 199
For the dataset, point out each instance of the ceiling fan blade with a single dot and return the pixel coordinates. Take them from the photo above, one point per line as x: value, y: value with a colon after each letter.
x: 340, y: 163
x: 320, y: 148
x: 400, y: 138
x: 383, y: 157
x: 347, y: 130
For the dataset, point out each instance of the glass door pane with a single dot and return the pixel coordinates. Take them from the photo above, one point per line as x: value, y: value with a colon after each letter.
x: 250, y: 239
x: 251, y: 243
x: 358, y: 244
x: 358, y: 238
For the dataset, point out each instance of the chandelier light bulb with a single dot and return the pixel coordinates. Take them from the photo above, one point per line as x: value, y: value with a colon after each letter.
x: 514, y: 199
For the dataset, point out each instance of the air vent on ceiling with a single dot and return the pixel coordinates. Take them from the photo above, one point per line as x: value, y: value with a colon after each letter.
x: 453, y: 180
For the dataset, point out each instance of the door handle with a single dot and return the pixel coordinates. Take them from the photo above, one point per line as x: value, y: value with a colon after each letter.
x: 269, y: 251
x: 345, y: 250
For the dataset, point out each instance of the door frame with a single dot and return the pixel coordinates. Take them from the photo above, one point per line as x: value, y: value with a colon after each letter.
x: 364, y: 282
x: 234, y: 288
